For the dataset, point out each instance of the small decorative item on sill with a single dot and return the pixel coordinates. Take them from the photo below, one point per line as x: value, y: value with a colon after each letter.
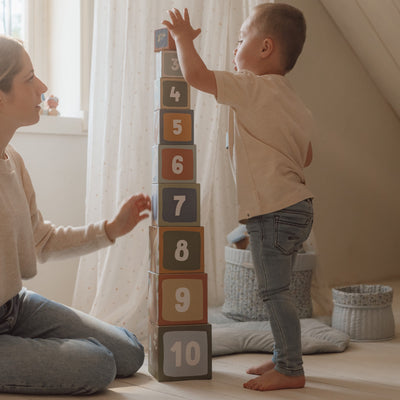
x: 364, y: 312
x: 52, y: 102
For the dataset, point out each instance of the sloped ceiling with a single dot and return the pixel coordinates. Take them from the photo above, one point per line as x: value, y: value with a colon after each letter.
x: 372, y: 28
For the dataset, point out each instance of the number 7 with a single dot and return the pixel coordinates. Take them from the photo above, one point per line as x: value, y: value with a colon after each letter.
x: 180, y: 199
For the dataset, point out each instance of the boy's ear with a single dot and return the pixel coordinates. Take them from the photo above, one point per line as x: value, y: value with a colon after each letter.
x: 268, y: 47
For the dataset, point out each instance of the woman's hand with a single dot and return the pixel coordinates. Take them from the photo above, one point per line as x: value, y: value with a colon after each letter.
x: 130, y: 214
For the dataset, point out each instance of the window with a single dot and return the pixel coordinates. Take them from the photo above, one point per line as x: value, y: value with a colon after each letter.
x: 12, y: 18
x: 57, y: 35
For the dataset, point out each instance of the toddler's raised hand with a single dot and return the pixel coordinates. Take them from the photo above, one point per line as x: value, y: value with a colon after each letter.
x: 180, y: 26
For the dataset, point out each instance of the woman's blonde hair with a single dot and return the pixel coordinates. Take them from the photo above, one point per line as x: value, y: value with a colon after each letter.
x: 10, y: 61
x: 284, y: 23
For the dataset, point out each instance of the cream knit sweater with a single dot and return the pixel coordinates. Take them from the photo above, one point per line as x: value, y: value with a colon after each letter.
x: 25, y: 237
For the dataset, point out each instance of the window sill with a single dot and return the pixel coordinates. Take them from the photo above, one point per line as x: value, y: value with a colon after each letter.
x: 50, y: 125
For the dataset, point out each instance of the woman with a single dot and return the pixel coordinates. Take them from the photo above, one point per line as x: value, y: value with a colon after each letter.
x: 45, y: 347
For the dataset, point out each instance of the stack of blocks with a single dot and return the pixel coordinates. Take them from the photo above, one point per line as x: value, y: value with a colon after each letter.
x: 179, y: 333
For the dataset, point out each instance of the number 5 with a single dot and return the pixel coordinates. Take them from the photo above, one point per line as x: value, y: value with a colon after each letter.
x: 177, y: 127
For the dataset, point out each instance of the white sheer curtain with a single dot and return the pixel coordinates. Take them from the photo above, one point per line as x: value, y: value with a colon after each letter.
x: 112, y: 284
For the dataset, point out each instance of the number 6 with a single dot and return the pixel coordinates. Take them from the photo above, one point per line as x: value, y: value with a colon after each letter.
x: 177, y: 165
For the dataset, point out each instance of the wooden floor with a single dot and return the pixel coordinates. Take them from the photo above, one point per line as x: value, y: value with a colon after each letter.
x: 366, y: 371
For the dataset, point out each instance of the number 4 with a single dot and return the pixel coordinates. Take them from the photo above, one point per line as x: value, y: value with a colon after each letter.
x: 175, y: 94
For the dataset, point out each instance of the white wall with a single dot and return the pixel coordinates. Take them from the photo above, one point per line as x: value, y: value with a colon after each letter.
x: 356, y: 167
x: 57, y: 166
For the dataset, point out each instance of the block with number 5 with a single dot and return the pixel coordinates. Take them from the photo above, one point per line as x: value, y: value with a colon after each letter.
x: 176, y: 204
x: 176, y: 249
x: 171, y: 93
x: 173, y: 127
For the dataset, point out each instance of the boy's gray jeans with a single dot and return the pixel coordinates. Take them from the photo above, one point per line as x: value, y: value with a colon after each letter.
x: 275, y: 239
x: 48, y: 348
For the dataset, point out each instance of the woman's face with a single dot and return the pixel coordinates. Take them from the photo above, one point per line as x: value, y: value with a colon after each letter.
x: 21, y: 105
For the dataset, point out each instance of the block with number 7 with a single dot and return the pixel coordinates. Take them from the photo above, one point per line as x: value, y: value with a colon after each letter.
x: 176, y: 204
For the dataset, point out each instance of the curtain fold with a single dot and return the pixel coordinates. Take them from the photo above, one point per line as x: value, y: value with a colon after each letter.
x: 112, y: 283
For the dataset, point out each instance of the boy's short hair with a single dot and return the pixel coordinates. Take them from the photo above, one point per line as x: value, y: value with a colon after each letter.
x: 286, y: 24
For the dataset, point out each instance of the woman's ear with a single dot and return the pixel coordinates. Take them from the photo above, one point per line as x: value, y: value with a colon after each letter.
x: 268, y: 47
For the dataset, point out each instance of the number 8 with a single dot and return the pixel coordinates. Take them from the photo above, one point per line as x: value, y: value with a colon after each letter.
x: 181, y: 252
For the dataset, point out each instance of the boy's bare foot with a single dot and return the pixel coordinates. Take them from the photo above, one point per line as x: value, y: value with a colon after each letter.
x: 261, y: 368
x: 274, y: 380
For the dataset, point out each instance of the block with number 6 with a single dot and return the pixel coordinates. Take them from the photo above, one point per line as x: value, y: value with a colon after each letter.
x: 174, y: 164
x: 180, y: 352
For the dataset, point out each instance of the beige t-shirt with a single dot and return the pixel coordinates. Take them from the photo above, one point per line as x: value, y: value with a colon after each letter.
x: 270, y: 131
x: 25, y: 236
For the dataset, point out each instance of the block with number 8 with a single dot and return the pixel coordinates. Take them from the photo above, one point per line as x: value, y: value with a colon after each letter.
x: 176, y: 249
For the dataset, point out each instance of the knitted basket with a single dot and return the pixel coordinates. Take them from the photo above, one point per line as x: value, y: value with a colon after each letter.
x: 364, y: 312
x: 242, y: 301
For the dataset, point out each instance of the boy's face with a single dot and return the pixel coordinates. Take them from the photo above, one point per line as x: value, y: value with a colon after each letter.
x: 249, y: 48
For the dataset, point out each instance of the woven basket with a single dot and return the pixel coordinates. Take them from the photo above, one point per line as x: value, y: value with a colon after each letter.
x: 364, y: 312
x: 242, y: 301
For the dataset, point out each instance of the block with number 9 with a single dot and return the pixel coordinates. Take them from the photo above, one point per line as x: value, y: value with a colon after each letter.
x: 177, y: 298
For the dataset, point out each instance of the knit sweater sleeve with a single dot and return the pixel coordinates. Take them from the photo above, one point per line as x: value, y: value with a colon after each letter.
x: 53, y: 241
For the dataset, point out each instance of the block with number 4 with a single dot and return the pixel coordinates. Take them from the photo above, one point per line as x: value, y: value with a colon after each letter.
x: 173, y: 127
x: 174, y: 164
x: 176, y: 299
x: 176, y: 204
x: 176, y: 249
x: 171, y: 93
x: 167, y: 65
x: 180, y: 352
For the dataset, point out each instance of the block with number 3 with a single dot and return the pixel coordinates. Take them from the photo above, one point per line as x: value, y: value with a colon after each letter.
x: 167, y: 65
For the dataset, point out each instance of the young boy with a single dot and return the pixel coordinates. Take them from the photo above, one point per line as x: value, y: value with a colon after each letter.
x: 270, y: 144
